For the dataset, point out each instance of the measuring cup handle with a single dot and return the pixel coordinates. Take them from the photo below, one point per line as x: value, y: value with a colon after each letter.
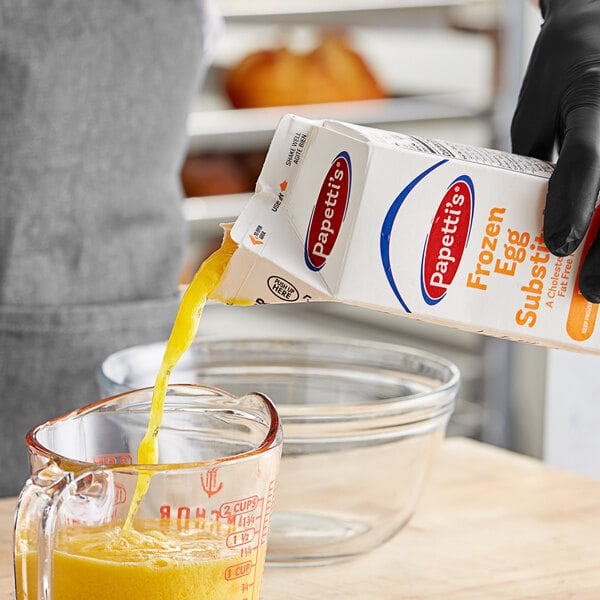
x: 34, y: 529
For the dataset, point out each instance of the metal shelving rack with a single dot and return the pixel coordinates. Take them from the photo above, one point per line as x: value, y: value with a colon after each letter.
x: 249, y: 129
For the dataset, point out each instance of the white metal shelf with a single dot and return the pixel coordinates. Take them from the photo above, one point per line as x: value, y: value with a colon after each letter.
x: 239, y: 130
x: 379, y: 13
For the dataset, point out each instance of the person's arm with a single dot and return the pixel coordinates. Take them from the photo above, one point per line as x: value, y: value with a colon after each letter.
x: 560, y: 104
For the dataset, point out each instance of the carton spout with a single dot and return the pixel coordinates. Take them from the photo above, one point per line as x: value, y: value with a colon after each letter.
x: 264, y: 269
x: 269, y: 265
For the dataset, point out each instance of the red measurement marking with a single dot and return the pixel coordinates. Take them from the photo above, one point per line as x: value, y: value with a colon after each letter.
x: 209, y: 482
x: 112, y: 459
x: 183, y: 512
x: 239, y: 570
x: 120, y: 494
x: 238, y: 507
x: 239, y: 538
x: 268, y: 511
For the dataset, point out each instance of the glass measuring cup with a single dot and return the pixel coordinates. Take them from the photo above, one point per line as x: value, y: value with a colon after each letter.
x: 201, y: 529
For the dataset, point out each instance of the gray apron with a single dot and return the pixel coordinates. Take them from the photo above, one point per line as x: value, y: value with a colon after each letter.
x: 94, y: 96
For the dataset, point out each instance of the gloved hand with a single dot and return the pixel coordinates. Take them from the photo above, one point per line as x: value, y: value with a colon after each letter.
x: 560, y: 103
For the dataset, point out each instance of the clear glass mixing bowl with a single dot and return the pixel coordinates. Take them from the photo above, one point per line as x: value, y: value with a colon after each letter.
x: 362, y: 422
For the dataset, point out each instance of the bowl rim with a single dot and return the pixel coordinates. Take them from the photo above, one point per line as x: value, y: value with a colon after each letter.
x: 423, y: 405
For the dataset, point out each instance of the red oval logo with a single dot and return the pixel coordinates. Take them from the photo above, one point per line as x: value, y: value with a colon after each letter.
x: 328, y: 213
x: 447, y: 239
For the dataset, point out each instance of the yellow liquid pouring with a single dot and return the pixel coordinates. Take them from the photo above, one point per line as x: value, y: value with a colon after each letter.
x: 182, y: 335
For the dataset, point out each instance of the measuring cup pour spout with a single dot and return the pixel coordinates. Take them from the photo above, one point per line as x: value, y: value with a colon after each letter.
x: 205, y: 516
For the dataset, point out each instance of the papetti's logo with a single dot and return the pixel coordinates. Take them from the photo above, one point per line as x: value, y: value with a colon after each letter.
x: 447, y: 239
x: 445, y: 242
x: 329, y: 213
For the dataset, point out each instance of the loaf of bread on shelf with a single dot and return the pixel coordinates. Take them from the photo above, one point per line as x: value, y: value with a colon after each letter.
x: 332, y: 72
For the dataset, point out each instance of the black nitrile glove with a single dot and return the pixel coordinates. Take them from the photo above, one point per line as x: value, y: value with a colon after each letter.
x: 560, y: 103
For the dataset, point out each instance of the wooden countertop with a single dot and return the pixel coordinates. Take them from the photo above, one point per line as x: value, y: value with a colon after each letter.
x: 491, y: 525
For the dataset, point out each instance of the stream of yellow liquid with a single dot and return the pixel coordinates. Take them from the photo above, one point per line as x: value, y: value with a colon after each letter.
x: 182, y: 335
